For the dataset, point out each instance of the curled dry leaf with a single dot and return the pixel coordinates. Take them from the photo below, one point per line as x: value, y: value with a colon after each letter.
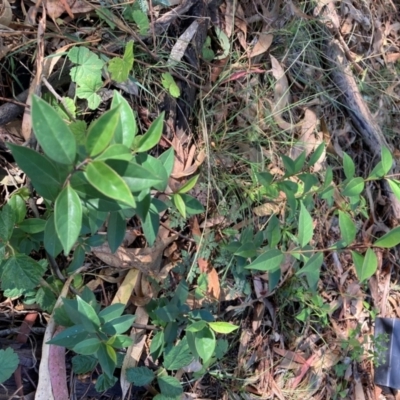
x: 56, y: 8
x: 262, y: 45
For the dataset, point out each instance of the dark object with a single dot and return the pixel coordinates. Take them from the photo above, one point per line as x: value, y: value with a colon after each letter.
x: 387, y: 345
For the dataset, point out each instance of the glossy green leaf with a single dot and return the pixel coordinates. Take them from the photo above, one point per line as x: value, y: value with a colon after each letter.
x: 270, y: 260
x: 156, y: 168
x: 115, y: 152
x: 179, y: 204
x: 69, y: 337
x: 223, y: 327
x: 32, y: 225
x: 347, y: 227
x: 118, y: 67
x: 68, y: 217
x: 387, y: 160
x: 108, y: 182
x: 7, y: 221
x: 137, y: 177
x: 40, y: 169
x: 127, y: 127
x: 87, y: 347
x: 17, y: 203
x: 390, y: 239
x: 111, y: 312
x: 102, y: 131
x: 189, y: 185
x: 52, y: 133
x: 8, y: 363
x: 311, y: 270
x: 193, y: 206
x: 21, y: 272
x: 289, y: 165
x: 354, y: 187
x: 395, y: 187
x: 316, y: 155
x: 107, y: 359
x: 168, y: 158
x: 116, y: 229
x: 306, y: 228
x: 205, y: 343
x: 120, y: 341
x: 273, y: 232
x: 152, y: 136
x: 157, y: 345
x: 299, y: 162
x: 348, y: 166
x: 365, y: 266
x: 118, y: 325
x: 140, y: 376
x: 88, y: 315
x: 196, y: 326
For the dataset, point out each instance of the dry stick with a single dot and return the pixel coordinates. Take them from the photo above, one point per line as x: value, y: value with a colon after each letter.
x: 358, y: 111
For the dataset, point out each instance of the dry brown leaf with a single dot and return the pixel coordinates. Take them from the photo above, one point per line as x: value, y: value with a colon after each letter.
x: 266, y: 209
x: 213, y: 288
x: 281, y: 89
x: 182, y: 43
x: 306, y: 140
x: 56, y: 8
x: 258, y: 315
x: 124, y: 292
x: 5, y: 13
x: 262, y: 45
x: 229, y: 17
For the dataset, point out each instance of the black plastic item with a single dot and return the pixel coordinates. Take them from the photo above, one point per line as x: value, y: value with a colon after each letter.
x: 387, y: 335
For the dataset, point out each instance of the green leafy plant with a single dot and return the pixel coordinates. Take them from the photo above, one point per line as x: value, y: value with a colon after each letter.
x: 197, y: 349
x: 96, y: 336
x: 8, y: 363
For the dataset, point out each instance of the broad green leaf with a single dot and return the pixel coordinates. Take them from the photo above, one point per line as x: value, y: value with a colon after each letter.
x: 21, y: 272
x: 221, y: 348
x: 118, y: 325
x: 205, y: 343
x: 196, y: 326
x: 395, y: 186
x: 88, y: 90
x: 46, y: 299
x: 390, y: 239
x: 365, y: 266
x: 377, y: 172
x: 41, y: 171
x: 77, y: 259
x: 17, y: 203
x: 87, y: 347
x: 52, y: 133
x: 32, y: 225
x: 157, y: 345
x: 127, y: 126
x: 137, y: 177
x: 299, y: 162
x: 224, y: 43
x: 168, y: 158
x: 107, y: 181
x: 7, y: 221
x: 151, y: 223
x: 267, y: 261
x: 101, y: 132
x: 347, y: 227
x: 178, y: 356
x: 311, y: 270
x: 68, y: 217
x: 223, y: 327
x: 316, y: 155
x: 192, y: 205
x: 140, y: 376
x: 354, y: 187
x: 88, y: 315
x: 111, y: 312
x: 118, y: 67
x: 179, y: 204
x: 116, y: 229
x: 107, y: 359
x: 120, y: 341
x: 189, y: 185
x: 142, y: 21
x: 387, y: 160
x: 152, y: 136
x: 289, y: 165
x: 348, y: 166
x: 104, y: 381
x: 8, y: 363
x: 115, y: 152
x: 83, y: 364
x: 155, y: 167
x: 306, y: 228
x: 69, y: 337
x: 273, y: 232
x: 89, y: 64
x: 265, y: 178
